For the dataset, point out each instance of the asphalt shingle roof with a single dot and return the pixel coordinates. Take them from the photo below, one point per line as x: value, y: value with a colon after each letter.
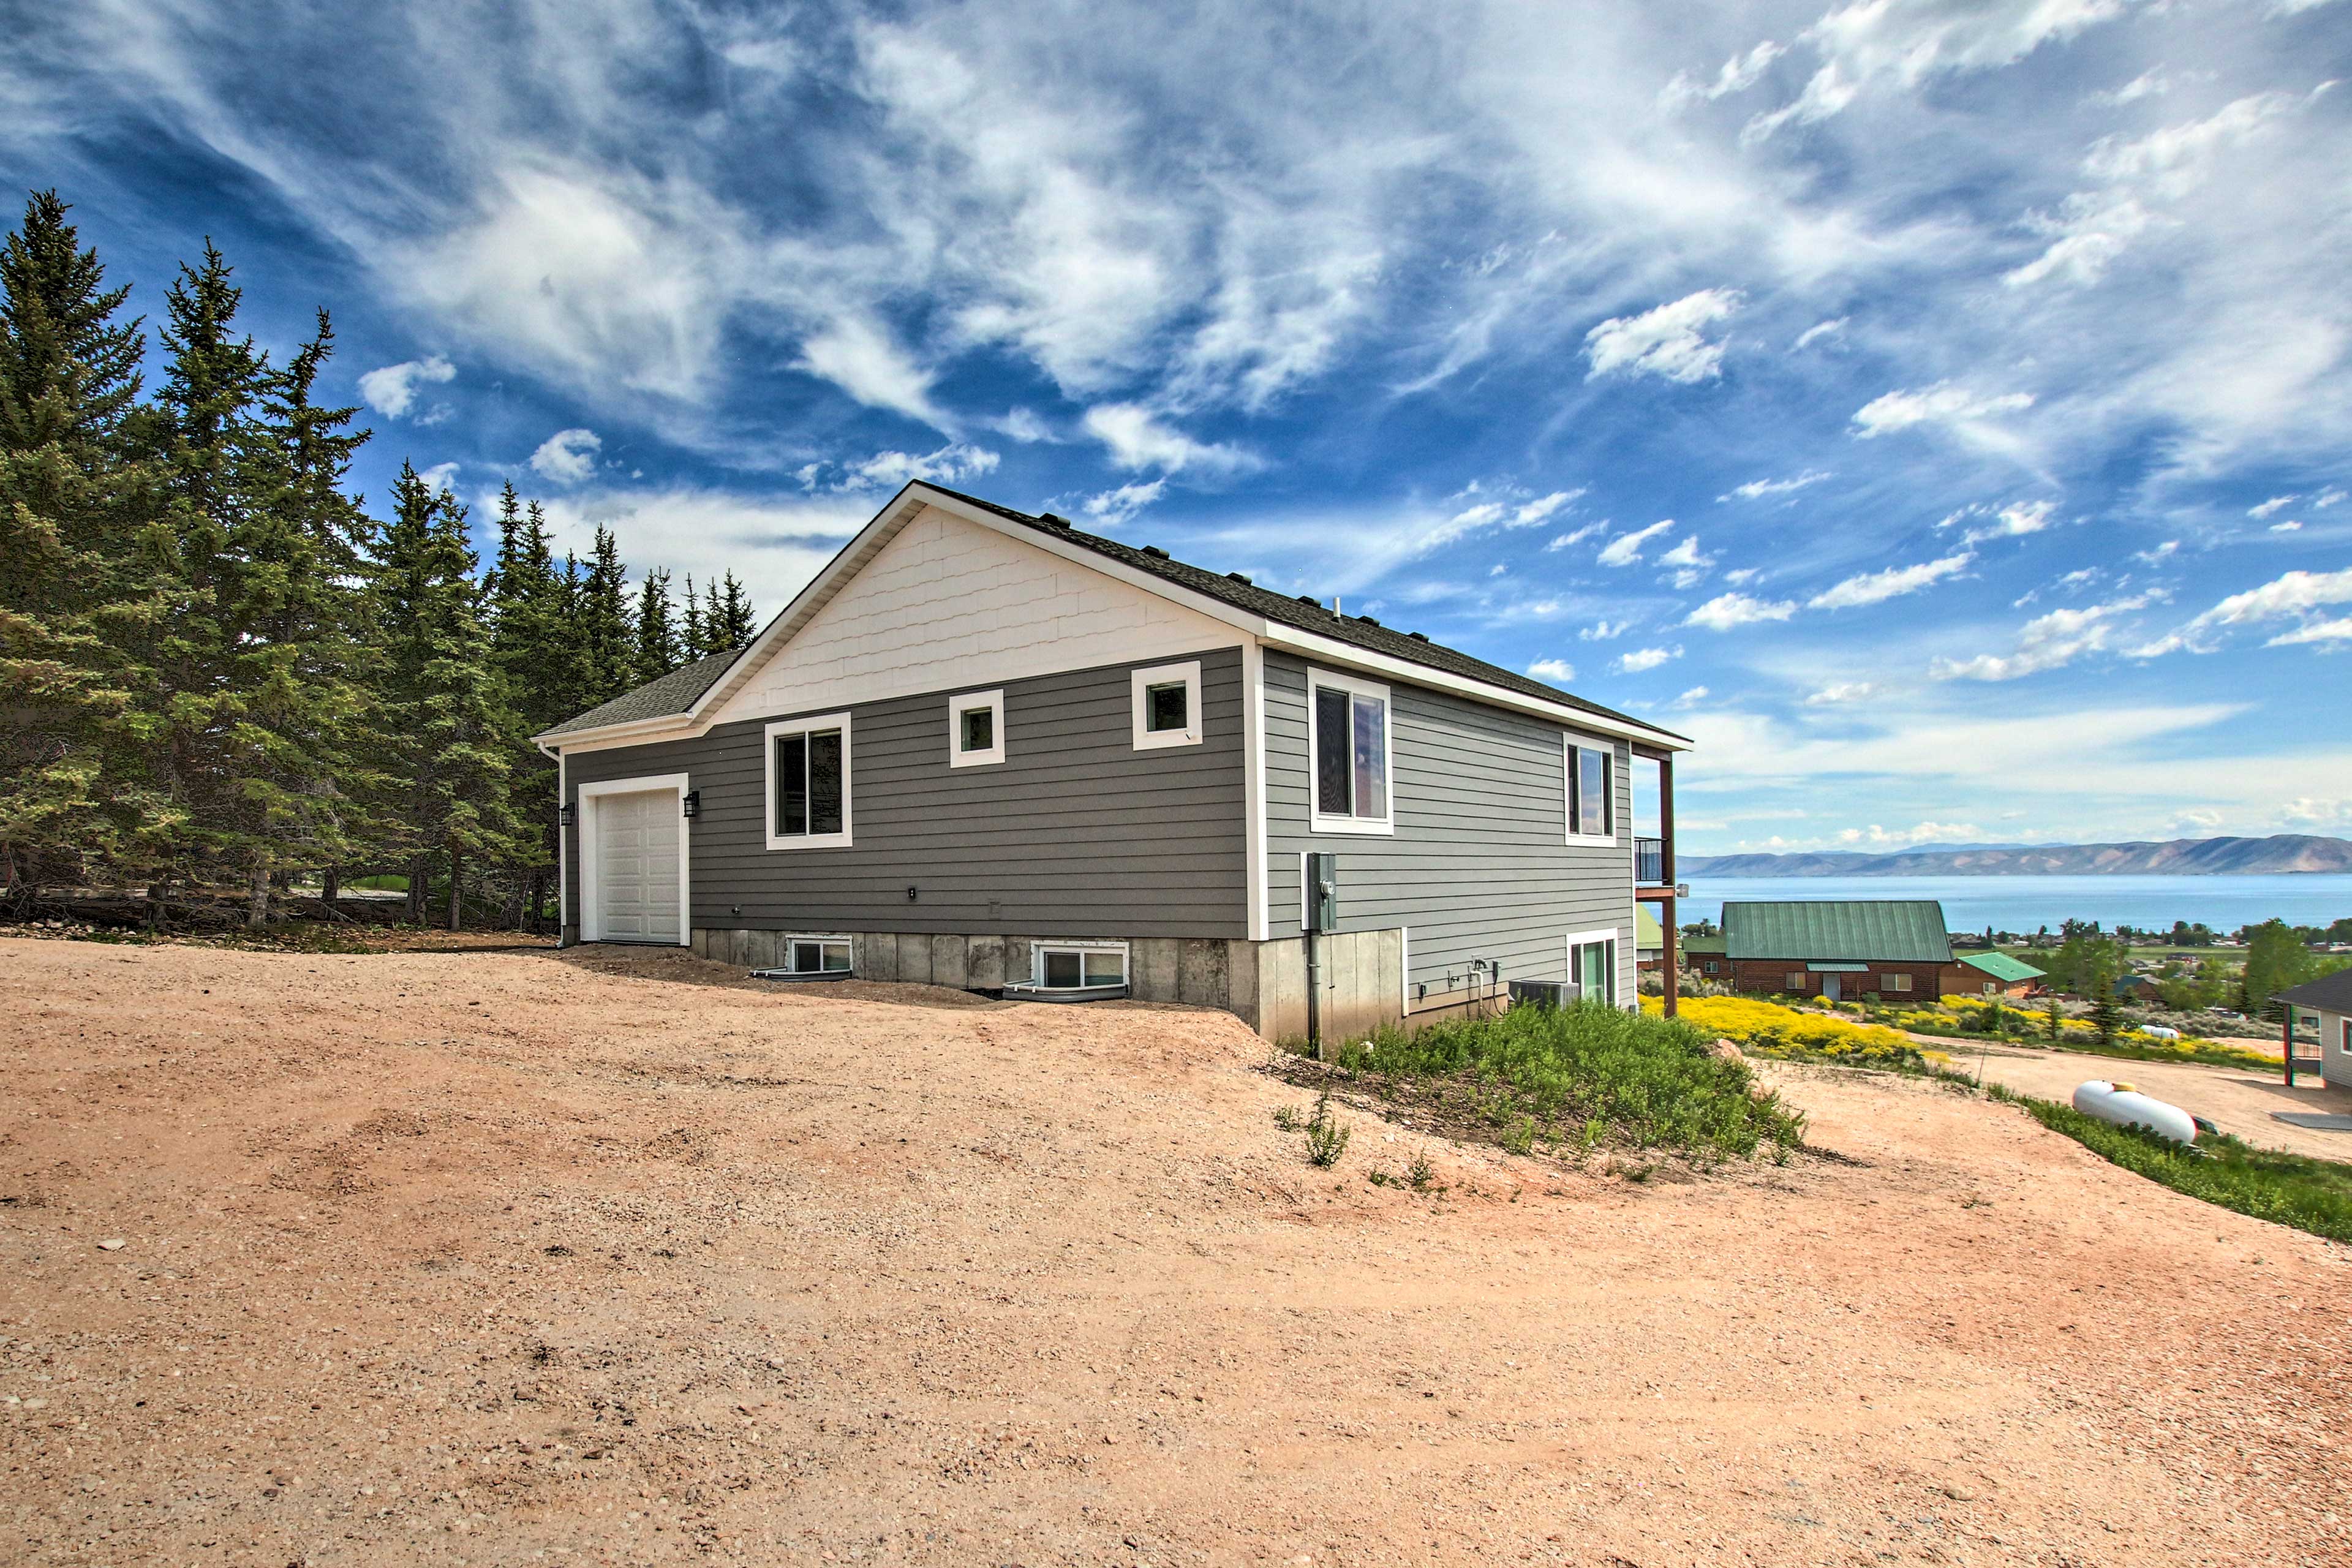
x: 2331, y: 991
x: 680, y: 688
x: 1883, y: 931
x: 2001, y: 966
x: 673, y: 693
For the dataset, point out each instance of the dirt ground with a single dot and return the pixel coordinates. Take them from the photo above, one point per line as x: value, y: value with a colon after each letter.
x: 527, y: 1257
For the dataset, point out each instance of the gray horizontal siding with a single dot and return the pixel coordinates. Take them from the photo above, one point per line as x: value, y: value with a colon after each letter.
x: 1075, y: 834
x: 1479, y: 866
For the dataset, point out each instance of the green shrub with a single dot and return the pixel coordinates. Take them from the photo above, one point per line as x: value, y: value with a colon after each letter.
x: 1327, y: 1138
x: 1584, y: 1075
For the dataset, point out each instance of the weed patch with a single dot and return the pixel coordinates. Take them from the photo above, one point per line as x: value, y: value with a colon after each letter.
x: 1571, y: 1079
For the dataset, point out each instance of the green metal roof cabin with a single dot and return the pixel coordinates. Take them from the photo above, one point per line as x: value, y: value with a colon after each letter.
x: 1832, y: 930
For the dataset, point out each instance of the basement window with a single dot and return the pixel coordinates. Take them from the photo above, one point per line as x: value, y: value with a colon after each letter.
x: 1167, y: 705
x: 808, y: 782
x: 817, y: 954
x: 976, y: 729
x: 1075, y: 972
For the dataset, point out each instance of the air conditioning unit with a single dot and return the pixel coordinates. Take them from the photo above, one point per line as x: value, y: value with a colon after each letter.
x: 1542, y: 992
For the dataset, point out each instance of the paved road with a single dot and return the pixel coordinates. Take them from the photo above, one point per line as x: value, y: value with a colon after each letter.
x: 2235, y: 1099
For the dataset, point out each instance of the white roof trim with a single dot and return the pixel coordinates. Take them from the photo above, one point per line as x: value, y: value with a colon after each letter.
x: 901, y: 509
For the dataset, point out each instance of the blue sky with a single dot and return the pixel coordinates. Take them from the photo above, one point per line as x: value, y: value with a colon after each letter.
x: 1941, y: 411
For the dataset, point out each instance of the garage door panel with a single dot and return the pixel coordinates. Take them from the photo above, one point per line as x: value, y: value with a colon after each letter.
x: 637, y: 838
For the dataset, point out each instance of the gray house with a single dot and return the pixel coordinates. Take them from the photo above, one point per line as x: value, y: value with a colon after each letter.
x: 986, y: 750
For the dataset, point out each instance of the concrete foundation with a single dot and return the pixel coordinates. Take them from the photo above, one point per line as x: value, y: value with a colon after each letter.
x: 1262, y: 982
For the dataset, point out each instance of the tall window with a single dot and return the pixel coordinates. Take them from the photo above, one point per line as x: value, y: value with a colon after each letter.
x: 808, y: 782
x: 1591, y: 803
x: 1349, y: 720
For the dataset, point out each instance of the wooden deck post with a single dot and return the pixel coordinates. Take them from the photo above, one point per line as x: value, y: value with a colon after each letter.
x: 1667, y: 875
x: 2286, y: 1043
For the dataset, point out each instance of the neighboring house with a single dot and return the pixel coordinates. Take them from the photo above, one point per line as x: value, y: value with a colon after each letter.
x: 1992, y: 974
x: 984, y: 749
x: 1895, y: 949
x: 2329, y: 998
x: 1649, y: 940
x: 2135, y: 988
x: 1704, y: 955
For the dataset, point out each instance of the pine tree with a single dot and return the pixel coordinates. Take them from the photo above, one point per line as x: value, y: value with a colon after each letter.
x: 70, y: 503
x: 2105, y: 1016
x: 697, y: 635
x: 445, y: 700
x: 655, y: 648
x: 729, y: 622
x: 2050, y: 1025
x: 603, y: 620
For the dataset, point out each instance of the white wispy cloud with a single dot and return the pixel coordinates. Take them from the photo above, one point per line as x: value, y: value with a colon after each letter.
x: 2045, y: 643
x: 1689, y: 563
x: 956, y: 463
x: 1138, y: 438
x: 1641, y: 660
x: 1626, y: 548
x: 1576, y: 536
x: 1819, y: 332
x: 2275, y: 505
x: 1756, y: 490
x: 1111, y: 507
x: 390, y: 390
x: 1690, y: 698
x: 1839, y: 693
x: 1739, y: 73
x: 1667, y: 342
x: 859, y: 356
x: 568, y: 456
x: 1942, y: 403
x: 1875, y: 587
x: 1726, y: 611
x: 1556, y: 671
x: 773, y: 544
x: 1602, y: 631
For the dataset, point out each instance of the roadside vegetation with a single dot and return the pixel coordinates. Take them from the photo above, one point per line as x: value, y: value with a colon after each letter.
x: 1989, y: 1018
x: 1768, y: 1029
x: 2284, y: 1188
x: 1574, y: 1080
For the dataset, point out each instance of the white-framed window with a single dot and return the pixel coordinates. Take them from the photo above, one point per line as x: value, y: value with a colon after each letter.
x: 1712, y: 967
x: 1166, y: 699
x: 817, y: 954
x: 2346, y: 1047
x: 1348, y: 732
x: 1795, y: 980
x: 808, y: 782
x: 1895, y: 982
x: 1076, y: 965
x: 976, y: 729
x: 1592, y: 965
x: 1591, y: 799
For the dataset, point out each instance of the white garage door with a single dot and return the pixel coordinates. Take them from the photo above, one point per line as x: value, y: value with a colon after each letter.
x: 636, y: 865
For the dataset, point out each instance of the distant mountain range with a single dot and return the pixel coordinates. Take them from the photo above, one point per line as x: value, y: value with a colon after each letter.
x: 2281, y: 853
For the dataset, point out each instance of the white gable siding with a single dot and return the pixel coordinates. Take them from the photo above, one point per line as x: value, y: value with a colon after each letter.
x: 949, y: 605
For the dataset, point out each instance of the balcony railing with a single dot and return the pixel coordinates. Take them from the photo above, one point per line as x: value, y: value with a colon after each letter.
x: 1649, y: 862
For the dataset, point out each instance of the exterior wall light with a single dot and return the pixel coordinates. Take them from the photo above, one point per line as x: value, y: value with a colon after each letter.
x: 568, y: 815
x: 691, y: 802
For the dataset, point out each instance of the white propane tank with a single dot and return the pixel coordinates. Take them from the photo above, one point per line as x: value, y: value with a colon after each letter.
x: 2123, y: 1106
x: 2159, y: 1032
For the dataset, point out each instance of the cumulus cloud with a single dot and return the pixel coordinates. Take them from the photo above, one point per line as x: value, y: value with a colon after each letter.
x: 2048, y: 642
x: 1557, y: 671
x: 440, y: 477
x: 1138, y: 438
x: 1726, y: 611
x: 1756, y: 490
x: 1643, y: 659
x: 568, y: 456
x: 390, y: 390
x: 1667, y: 342
x: 1626, y: 548
x: 1690, y: 565
x: 1902, y: 837
x: 1942, y: 403
x: 1875, y: 587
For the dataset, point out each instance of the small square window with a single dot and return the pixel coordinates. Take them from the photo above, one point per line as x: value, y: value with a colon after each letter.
x: 1164, y: 708
x: 1712, y: 967
x: 1166, y: 705
x: 1895, y: 982
x: 976, y: 729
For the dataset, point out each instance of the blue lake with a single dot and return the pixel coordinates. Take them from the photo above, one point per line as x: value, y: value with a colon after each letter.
x: 2028, y: 903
